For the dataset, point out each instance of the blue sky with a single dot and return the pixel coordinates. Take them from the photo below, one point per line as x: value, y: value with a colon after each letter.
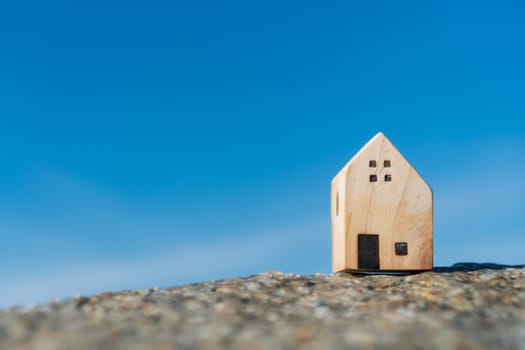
x: 163, y: 142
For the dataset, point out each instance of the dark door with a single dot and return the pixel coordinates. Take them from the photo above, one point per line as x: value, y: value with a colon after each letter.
x: 368, y: 252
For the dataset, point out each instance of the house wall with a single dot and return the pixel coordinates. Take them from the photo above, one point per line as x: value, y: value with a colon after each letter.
x: 338, y: 209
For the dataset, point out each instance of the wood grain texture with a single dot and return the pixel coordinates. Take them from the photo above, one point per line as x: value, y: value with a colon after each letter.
x: 398, y: 207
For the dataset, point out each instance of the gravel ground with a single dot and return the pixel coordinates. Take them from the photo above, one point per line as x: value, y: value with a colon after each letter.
x: 467, y: 306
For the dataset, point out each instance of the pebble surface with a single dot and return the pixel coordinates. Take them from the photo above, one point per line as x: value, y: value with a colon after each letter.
x: 466, y: 306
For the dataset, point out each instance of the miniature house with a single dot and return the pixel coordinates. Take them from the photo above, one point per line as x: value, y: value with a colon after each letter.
x: 382, y: 213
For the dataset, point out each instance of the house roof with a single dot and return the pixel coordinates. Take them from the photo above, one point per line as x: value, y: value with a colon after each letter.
x: 383, y: 142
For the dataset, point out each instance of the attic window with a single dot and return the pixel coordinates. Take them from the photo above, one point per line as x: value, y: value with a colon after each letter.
x: 373, y: 178
x: 372, y: 164
x: 388, y: 178
x: 387, y: 163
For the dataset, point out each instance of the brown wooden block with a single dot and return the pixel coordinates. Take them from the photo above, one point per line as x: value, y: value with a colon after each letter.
x: 381, y: 205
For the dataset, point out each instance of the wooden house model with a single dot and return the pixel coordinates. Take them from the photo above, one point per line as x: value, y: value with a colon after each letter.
x: 382, y: 213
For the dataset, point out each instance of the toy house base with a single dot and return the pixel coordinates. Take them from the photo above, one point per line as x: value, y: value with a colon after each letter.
x: 384, y: 272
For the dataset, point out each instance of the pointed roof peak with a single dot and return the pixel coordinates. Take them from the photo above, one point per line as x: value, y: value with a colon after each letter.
x: 380, y: 135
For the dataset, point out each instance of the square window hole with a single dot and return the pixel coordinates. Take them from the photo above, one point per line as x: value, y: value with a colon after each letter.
x: 372, y: 164
x: 388, y: 178
x: 401, y: 248
x: 387, y: 164
x: 373, y: 178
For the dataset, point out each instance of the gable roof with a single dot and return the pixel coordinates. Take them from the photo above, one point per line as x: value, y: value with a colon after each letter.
x: 375, y: 148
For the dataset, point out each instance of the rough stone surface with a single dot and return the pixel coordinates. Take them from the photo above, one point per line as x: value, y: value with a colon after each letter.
x: 467, y: 306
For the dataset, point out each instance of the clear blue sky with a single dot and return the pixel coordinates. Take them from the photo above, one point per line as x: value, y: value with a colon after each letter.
x: 157, y: 143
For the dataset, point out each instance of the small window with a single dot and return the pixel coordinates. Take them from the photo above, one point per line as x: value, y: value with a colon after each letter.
x: 373, y: 178
x: 337, y: 204
x: 401, y: 248
x: 372, y: 164
x: 387, y: 164
x: 388, y: 178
